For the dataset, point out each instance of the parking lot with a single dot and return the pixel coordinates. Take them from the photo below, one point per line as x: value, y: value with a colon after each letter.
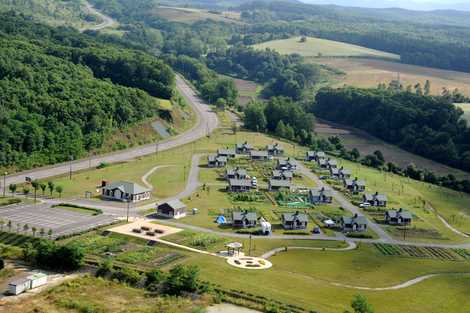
x: 61, y: 222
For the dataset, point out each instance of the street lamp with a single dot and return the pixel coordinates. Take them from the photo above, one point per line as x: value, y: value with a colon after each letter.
x: 128, y: 205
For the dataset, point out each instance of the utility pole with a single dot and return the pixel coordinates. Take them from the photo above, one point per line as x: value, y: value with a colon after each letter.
x: 156, y: 149
x: 70, y: 168
x: 4, y: 183
x: 249, y: 249
x: 128, y: 207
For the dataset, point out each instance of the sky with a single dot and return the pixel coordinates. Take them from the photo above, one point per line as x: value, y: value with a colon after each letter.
x: 407, y: 4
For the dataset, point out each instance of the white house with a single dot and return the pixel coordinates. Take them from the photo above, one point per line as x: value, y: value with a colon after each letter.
x: 125, y: 191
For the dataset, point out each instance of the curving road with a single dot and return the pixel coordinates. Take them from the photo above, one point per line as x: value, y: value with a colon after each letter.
x: 206, y: 123
x: 106, y: 20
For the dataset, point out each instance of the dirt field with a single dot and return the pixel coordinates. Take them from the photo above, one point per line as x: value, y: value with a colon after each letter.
x: 367, y: 144
x: 187, y: 15
x: 247, y: 90
x: 369, y: 73
x: 314, y: 47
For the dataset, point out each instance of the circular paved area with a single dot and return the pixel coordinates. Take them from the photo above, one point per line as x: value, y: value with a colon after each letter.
x: 249, y: 262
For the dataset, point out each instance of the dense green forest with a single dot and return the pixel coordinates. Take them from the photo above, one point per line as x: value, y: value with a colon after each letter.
x: 53, y: 102
x: 426, y: 125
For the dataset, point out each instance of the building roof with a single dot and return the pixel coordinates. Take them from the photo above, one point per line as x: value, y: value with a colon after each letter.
x: 225, y: 151
x: 259, y: 153
x: 240, y: 182
x: 321, y: 161
x: 244, y: 145
x: 175, y: 204
x: 286, y: 174
x: 345, y: 171
x: 400, y: 213
x: 279, y: 183
x: 236, y: 171
x: 289, y: 217
x: 287, y: 161
x: 20, y: 281
x: 36, y: 276
x: 378, y: 197
x: 215, y: 157
x: 317, y: 192
x: 352, y: 182
x: 127, y: 187
x: 241, y: 215
x: 275, y: 146
x: 334, y: 171
x: 356, y: 219
x: 332, y: 162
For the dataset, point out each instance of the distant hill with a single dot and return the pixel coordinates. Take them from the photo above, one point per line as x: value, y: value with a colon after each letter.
x: 410, y: 5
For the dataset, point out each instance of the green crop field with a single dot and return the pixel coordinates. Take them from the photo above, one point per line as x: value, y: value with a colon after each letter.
x: 190, y: 15
x: 315, y: 47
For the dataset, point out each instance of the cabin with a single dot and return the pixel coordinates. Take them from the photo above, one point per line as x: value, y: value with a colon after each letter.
x: 172, y: 209
x: 228, y: 153
x: 275, y: 149
x: 244, y: 219
x: 243, y: 148
x: 236, y: 173
x: 214, y: 160
x: 400, y: 217
x: 239, y: 185
x: 30, y: 282
x: 320, y: 195
x: 259, y: 155
x: 344, y: 173
x: 275, y: 184
x: 357, y: 223
x: 294, y: 220
x: 282, y: 175
x: 375, y: 199
x: 314, y: 155
x: 331, y: 163
x: 355, y: 185
x: 334, y: 173
x: 286, y: 164
x: 124, y: 191
x: 322, y: 163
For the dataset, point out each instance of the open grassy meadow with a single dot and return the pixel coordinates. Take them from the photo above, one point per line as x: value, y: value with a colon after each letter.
x: 367, y: 144
x: 369, y: 73
x: 191, y: 15
x: 316, y: 47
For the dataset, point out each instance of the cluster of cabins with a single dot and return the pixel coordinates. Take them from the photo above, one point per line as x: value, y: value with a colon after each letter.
x: 223, y: 155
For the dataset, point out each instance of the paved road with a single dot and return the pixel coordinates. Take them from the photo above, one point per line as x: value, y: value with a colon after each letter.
x: 107, y: 21
x: 345, y: 203
x: 206, y: 122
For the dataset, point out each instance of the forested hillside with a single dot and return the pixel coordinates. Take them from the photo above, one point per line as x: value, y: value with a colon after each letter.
x: 426, y: 125
x: 53, y: 101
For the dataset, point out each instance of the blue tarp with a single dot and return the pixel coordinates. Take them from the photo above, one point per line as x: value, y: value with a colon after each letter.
x: 221, y: 219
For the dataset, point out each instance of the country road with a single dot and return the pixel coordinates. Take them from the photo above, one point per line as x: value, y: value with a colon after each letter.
x: 206, y: 122
x: 106, y: 20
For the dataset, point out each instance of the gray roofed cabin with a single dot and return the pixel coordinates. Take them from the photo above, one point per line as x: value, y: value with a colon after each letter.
x: 357, y: 223
x: 334, y: 172
x: 332, y: 163
x: 344, y: 173
x: 228, y: 153
x: 125, y: 191
x: 276, y: 184
x: 239, y: 185
x: 314, y: 155
x: 398, y: 217
x: 236, y: 173
x: 322, y: 163
x: 355, y: 185
x: 375, y: 199
x: 286, y: 164
x: 259, y: 155
x: 243, y: 148
x: 244, y: 219
x: 275, y: 149
x: 172, y: 209
x: 294, y: 220
x: 320, y: 195
x: 214, y: 160
x: 282, y: 175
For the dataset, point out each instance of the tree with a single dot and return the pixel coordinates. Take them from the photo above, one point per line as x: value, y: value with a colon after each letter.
x: 25, y: 228
x: 355, y: 155
x: 280, y: 129
x: 427, y: 88
x: 9, y: 225
x: 182, y: 279
x: 254, y: 117
x: 59, y: 190
x: 360, y: 305
x: 43, y: 188
x: 13, y: 188
x: 42, y: 232
x: 25, y: 191
x: 50, y: 186
x: 154, y: 279
x: 33, y: 230
x: 49, y: 233
x: 221, y: 103
x: 35, y: 185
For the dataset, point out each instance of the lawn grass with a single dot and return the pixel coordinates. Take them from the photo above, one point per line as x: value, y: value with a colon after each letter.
x: 315, y: 47
x: 422, y: 199
x: 77, y: 209
x: 88, y: 294
x: 191, y: 15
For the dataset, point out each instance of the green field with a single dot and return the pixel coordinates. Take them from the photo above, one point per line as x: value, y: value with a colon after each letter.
x: 466, y: 110
x: 191, y: 15
x: 315, y: 47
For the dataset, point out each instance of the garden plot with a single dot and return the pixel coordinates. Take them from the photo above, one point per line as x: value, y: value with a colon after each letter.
x: 423, y: 252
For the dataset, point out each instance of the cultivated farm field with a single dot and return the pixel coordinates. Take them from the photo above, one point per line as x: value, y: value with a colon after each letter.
x: 190, y: 15
x: 315, y: 47
x: 369, y: 73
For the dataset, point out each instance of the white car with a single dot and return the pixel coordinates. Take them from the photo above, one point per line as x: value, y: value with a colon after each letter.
x: 364, y: 205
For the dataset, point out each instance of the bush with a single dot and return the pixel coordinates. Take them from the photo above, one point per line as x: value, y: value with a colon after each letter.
x: 106, y: 268
x: 204, y: 240
x: 49, y: 255
x: 182, y: 279
x: 128, y: 276
x: 154, y: 279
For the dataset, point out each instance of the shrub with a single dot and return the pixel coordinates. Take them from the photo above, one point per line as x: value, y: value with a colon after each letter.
x: 106, y: 268
x: 204, y: 240
x: 128, y: 276
x: 182, y: 279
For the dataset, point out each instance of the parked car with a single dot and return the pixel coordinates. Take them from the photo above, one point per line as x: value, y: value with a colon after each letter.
x: 364, y: 205
x: 324, y: 177
x: 316, y: 230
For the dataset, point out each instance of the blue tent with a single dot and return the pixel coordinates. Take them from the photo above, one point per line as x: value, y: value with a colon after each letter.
x: 221, y: 220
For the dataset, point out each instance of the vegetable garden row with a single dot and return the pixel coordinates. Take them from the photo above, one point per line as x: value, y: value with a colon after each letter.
x: 423, y: 252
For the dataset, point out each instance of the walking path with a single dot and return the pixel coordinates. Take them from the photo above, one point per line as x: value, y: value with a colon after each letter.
x: 267, y: 255
x: 146, y: 176
x: 458, y: 232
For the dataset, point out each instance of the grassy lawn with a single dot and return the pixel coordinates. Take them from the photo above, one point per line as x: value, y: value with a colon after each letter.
x: 420, y: 198
x: 9, y: 200
x: 315, y: 47
x: 77, y: 209
x: 190, y: 15
x: 88, y: 294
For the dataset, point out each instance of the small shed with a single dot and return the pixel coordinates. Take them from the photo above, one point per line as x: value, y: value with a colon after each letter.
x: 19, y: 286
x: 172, y: 209
x: 37, y: 279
